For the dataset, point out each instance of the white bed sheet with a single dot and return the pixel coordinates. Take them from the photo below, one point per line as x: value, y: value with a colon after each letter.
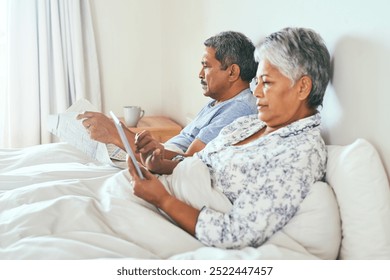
x: 56, y: 203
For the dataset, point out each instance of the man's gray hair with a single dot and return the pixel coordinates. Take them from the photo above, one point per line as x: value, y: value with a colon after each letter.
x: 234, y: 48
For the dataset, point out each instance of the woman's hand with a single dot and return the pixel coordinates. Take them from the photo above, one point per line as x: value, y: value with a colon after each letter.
x: 150, y: 188
x: 153, y: 191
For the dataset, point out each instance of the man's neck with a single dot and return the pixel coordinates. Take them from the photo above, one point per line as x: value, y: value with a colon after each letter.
x: 232, y: 93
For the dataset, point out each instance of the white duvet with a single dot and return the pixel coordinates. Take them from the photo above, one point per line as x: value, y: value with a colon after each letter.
x: 56, y: 203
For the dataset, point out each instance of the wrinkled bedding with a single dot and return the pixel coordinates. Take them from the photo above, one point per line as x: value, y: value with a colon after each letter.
x: 56, y: 203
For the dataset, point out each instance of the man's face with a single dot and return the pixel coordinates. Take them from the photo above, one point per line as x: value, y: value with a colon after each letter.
x: 214, y: 80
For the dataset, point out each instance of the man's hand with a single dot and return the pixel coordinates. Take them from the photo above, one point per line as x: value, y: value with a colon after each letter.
x: 100, y: 127
x: 154, y: 162
x: 145, y: 145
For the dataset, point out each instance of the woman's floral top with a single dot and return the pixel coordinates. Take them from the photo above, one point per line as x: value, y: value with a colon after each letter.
x: 266, y: 179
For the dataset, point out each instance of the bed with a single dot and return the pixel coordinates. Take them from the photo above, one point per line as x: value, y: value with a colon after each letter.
x: 56, y: 203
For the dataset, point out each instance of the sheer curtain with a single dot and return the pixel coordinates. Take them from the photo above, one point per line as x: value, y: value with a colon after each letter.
x: 3, y: 61
x: 52, y: 62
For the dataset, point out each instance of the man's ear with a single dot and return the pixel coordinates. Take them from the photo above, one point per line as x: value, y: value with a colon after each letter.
x: 305, y: 86
x: 234, y: 72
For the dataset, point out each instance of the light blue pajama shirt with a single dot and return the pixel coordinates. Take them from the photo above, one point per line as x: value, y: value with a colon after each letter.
x: 212, y: 118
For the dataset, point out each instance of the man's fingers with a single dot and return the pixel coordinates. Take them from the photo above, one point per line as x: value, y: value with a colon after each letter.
x: 147, y: 147
x: 86, y: 123
x: 85, y: 114
x: 140, y: 136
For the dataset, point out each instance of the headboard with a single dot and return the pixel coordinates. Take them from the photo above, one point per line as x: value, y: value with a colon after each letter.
x: 357, y: 102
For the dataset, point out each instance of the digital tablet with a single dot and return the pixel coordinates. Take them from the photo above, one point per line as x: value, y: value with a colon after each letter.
x: 125, y: 142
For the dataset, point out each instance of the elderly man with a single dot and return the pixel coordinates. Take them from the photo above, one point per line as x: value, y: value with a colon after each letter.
x: 228, y: 66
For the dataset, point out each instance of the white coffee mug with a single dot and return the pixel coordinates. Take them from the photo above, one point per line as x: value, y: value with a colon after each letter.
x: 132, y: 115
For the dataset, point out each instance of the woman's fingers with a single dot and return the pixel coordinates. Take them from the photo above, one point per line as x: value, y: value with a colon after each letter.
x: 132, y: 169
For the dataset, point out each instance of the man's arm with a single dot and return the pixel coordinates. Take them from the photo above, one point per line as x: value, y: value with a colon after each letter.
x: 156, y: 158
x: 101, y: 128
x: 196, y: 146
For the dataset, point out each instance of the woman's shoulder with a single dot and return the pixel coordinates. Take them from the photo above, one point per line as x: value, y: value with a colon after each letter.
x: 242, y: 123
x: 247, y: 120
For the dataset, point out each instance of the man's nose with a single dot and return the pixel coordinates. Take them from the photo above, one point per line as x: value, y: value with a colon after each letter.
x: 201, y: 74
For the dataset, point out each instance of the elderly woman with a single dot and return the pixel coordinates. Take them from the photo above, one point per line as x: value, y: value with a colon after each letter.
x: 264, y: 164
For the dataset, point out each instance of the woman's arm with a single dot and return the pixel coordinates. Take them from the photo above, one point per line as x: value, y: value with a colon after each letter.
x: 152, y: 190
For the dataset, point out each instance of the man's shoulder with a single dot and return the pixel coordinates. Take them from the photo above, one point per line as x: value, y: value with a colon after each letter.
x: 242, y: 104
x: 244, y: 101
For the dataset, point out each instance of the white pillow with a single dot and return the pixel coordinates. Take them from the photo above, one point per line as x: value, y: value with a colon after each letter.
x: 316, y: 225
x: 362, y: 190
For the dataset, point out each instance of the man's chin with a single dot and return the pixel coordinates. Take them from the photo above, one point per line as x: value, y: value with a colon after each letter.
x: 206, y: 93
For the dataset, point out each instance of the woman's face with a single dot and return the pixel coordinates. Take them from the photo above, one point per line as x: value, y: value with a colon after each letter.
x: 279, y: 102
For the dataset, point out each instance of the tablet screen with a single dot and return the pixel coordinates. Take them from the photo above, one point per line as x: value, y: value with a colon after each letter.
x: 125, y: 142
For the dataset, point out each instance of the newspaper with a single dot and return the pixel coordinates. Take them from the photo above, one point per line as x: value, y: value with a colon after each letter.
x: 68, y: 129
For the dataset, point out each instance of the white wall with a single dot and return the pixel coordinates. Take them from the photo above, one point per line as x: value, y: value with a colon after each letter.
x: 183, y: 29
x: 128, y: 35
x: 357, y: 103
x: 357, y: 33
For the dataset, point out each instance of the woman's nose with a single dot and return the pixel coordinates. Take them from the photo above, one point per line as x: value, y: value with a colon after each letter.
x: 258, y: 92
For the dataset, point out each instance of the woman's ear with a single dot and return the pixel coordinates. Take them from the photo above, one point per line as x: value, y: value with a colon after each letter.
x: 305, y: 86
